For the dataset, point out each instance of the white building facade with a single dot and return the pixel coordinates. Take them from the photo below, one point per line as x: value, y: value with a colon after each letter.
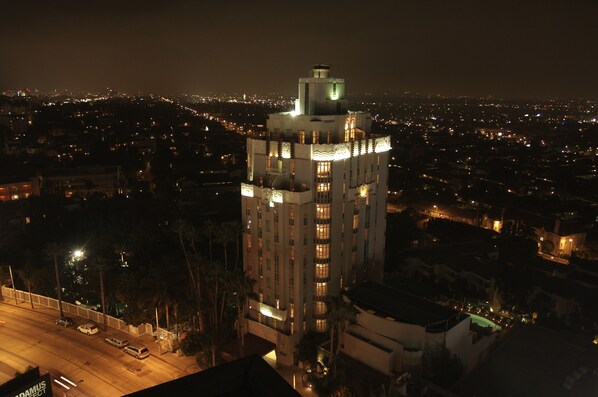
x: 313, y: 210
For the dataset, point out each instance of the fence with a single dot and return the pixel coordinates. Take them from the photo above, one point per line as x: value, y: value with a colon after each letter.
x: 69, y: 308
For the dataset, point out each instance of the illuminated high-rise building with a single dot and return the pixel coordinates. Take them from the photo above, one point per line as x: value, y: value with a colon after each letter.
x: 314, y: 211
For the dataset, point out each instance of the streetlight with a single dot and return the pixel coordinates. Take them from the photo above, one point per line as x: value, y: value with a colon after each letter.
x: 78, y: 254
x: 570, y: 247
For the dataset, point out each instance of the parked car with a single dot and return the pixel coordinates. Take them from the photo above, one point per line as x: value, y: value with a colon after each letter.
x: 65, y: 321
x: 120, y: 343
x: 88, y: 328
x: 138, y: 352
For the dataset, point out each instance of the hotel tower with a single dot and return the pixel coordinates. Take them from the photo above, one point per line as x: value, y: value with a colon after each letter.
x: 313, y: 210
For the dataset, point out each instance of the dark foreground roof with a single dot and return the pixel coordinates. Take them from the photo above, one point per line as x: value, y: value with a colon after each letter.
x: 246, y: 377
x: 536, y: 361
x: 404, y: 307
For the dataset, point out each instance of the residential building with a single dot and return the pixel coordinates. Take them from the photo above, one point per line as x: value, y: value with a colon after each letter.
x: 83, y: 181
x: 15, y: 189
x: 313, y: 210
x: 561, y: 240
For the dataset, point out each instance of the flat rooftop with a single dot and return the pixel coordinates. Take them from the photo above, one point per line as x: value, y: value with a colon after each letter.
x: 246, y: 377
x: 402, y: 306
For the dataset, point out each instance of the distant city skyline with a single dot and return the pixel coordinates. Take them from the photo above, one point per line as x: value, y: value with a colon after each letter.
x: 532, y: 49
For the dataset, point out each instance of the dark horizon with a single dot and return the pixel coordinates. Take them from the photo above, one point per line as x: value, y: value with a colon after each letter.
x: 540, y: 49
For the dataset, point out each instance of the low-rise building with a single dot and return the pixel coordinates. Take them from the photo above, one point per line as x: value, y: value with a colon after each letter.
x: 394, y: 330
x: 84, y: 181
x: 18, y: 188
x: 562, y: 239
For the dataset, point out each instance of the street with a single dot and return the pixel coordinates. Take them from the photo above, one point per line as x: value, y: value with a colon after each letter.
x: 31, y: 337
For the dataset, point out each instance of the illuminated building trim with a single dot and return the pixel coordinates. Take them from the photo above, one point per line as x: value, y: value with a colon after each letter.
x: 342, y: 151
x: 286, y: 150
x: 268, y: 311
x: 382, y: 144
x: 246, y: 190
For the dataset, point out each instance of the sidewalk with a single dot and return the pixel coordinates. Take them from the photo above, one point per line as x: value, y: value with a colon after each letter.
x: 186, y: 364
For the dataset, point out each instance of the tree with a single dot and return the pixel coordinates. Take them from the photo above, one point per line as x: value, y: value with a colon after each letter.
x: 29, y: 276
x: 101, y: 265
x: 242, y: 287
x: 339, y: 312
x: 308, y: 347
x: 440, y: 365
x: 162, y: 287
x: 226, y: 234
x: 184, y: 232
x: 54, y: 251
x: 209, y: 228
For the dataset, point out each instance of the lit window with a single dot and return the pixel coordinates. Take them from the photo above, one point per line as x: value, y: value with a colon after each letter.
x: 321, y: 325
x: 323, y: 211
x: 355, y: 221
x: 321, y: 289
x: 320, y: 308
x: 321, y: 270
x: 322, y: 251
x: 322, y: 231
x: 323, y: 169
x: 323, y: 187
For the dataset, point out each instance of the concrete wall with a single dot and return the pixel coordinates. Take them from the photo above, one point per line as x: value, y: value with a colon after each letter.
x: 286, y: 348
x: 459, y: 341
x: 285, y: 344
x: 409, y: 335
x: 264, y: 332
x: 376, y: 339
x: 369, y: 354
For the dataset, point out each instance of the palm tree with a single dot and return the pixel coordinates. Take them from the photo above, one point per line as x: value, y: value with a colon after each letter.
x: 29, y: 276
x: 162, y: 287
x: 225, y: 235
x: 184, y: 231
x: 339, y: 312
x: 101, y: 265
x: 209, y: 228
x: 54, y: 251
x: 242, y: 287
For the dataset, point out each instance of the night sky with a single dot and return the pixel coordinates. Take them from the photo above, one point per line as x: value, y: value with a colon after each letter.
x: 523, y: 48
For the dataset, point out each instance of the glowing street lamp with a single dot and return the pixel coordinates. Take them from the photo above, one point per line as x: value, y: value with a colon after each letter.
x: 78, y: 254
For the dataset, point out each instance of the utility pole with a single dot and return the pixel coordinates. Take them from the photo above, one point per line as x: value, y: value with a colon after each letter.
x: 158, y: 339
x: 12, y: 280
